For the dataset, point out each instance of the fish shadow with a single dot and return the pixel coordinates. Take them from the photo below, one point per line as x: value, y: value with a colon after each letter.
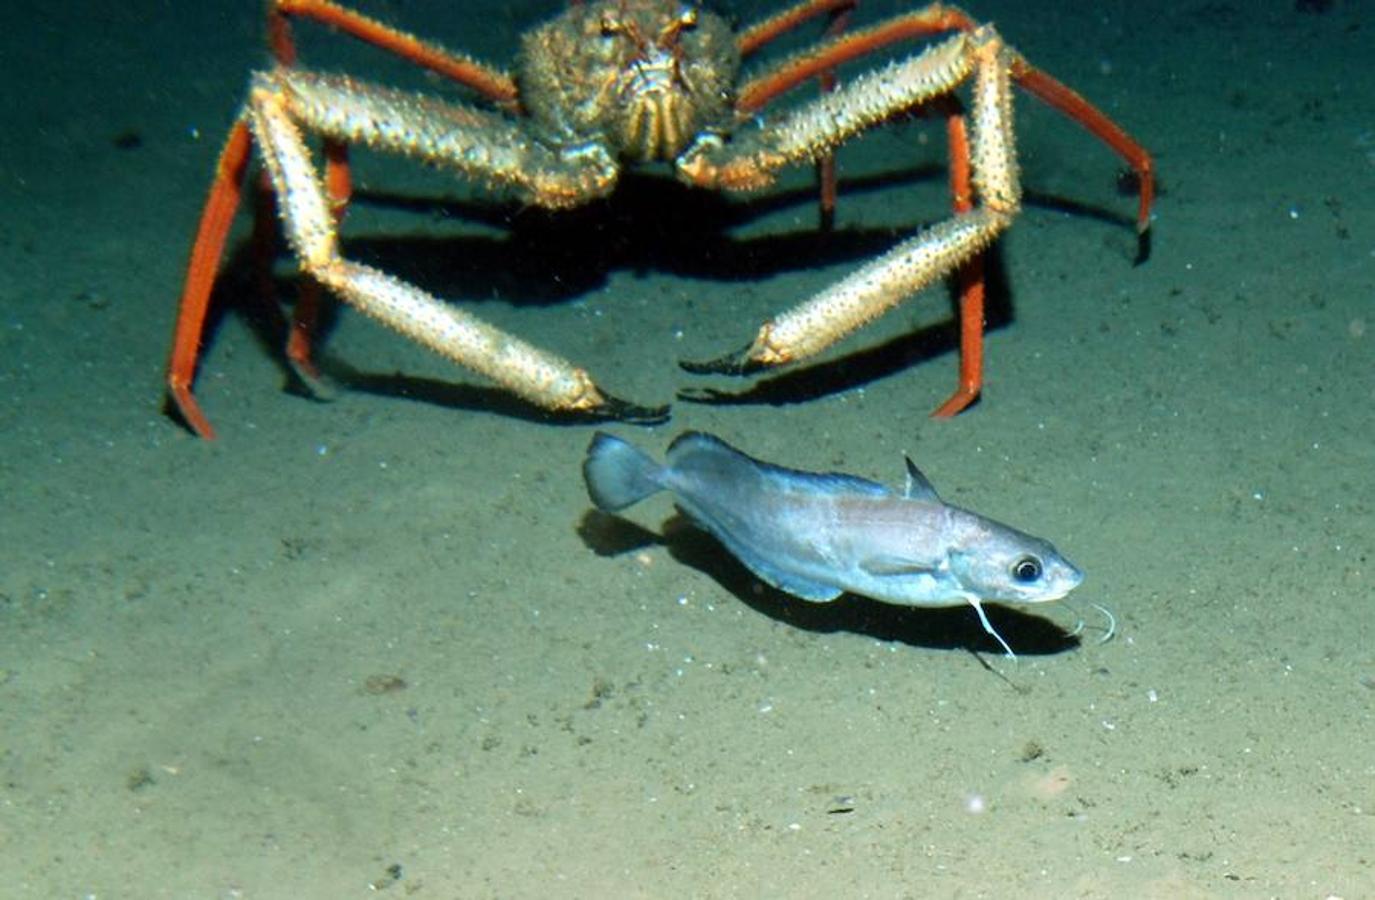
x: 932, y: 628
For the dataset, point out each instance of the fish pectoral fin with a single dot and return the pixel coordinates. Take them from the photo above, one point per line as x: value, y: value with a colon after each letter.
x: 895, y: 565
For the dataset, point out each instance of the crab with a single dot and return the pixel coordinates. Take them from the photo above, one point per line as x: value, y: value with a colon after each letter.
x: 608, y: 84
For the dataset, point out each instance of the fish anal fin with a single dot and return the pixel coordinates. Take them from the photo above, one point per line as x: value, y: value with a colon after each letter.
x: 776, y: 576
x: 813, y: 591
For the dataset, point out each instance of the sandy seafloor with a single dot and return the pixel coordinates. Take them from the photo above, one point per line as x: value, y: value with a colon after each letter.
x: 381, y: 644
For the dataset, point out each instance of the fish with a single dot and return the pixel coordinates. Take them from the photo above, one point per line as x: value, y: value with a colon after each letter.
x: 817, y: 535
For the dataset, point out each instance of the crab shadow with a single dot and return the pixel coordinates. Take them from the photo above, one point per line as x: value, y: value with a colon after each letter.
x: 939, y: 628
x: 650, y: 224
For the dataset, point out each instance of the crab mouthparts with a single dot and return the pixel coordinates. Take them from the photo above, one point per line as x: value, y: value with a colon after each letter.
x: 659, y: 115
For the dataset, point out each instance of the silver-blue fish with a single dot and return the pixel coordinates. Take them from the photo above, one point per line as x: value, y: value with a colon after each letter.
x: 818, y: 535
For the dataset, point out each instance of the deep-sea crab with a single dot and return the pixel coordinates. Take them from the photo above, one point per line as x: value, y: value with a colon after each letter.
x: 611, y: 83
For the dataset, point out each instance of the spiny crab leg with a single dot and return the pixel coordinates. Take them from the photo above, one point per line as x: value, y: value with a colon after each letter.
x: 342, y: 109
x: 819, y: 322
x: 934, y: 19
x: 762, y: 33
x: 925, y: 22
x: 490, y: 82
x: 783, y: 76
x: 481, y: 145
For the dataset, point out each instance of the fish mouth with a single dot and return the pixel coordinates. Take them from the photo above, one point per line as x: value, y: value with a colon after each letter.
x: 1071, y: 579
x: 1065, y: 586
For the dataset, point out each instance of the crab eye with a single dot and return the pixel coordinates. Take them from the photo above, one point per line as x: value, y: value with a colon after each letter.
x: 1026, y: 570
x: 686, y: 20
x: 610, y: 27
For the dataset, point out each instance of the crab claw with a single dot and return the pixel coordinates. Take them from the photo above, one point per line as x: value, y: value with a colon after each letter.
x: 737, y: 362
x: 618, y: 410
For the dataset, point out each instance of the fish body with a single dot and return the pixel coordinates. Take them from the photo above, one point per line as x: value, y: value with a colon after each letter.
x: 818, y: 535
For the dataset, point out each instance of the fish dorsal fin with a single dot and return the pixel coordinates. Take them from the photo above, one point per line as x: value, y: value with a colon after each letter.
x: 887, y: 565
x: 918, y: 488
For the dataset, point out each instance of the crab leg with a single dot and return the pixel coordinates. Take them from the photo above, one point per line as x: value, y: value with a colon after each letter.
x: 877, y: 287
x: 338, y: 188
x: 216, y: 219
x: 761, y: 33
x: 1068, y: 101
x: 970, y: 277
x: 935, y: 19
x: 791, y: 72
x: 393, y: 120
x: 757, y: 35
x: 491, y: 83
x: 925, y: 22
x: 753, y: 159
x: 479, y: 144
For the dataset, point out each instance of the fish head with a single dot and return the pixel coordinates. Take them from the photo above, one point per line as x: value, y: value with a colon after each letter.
x: 1006, y: 565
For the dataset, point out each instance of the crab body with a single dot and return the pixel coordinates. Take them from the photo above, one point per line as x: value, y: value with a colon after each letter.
x: 641, y: 78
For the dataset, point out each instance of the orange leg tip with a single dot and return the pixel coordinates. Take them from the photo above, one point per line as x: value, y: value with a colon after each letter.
x: 958, y: 402
x: 1143, y: 217
x: 299, y: 355
x: 190, y: 412
x: 305, y: 367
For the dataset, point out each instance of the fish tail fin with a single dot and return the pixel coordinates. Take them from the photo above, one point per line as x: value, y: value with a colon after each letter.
x: 618, y: 474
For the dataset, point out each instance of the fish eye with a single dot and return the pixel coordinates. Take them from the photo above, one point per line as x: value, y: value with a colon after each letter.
x: 1026, y: 570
